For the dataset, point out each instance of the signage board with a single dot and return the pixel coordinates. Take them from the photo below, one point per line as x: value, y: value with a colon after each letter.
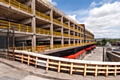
x: 42, y: 63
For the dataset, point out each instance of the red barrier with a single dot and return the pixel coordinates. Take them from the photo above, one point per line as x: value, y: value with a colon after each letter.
x: 88, y: 49
x: 92, y: 47
x: 73, y: 56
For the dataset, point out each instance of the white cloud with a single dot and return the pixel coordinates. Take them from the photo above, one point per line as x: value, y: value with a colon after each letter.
x: 54, y: 3
x: 102, y: 18
x: 78, y: 15
x: 72, y: 16
x: 93, y: 4
x: 104, y: 21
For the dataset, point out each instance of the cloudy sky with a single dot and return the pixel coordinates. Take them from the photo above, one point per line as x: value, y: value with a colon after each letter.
x: 101, y: 17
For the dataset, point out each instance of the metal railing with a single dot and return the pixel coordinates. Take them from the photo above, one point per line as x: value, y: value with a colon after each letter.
x: 57, y: 46
x: 42, y: 31
x: 17, y: 5
x: 66, y: 35
x: 72, y: 28
x: 47, y: 47
x: 39, y: 48
x: 42, y: 15
x: 65, y: 25
x: 66, y: 45
x: 26, y: 48
x: 17, y: 27
x: 72, y: 36
x: 57, y: 33
x: 56, y: 21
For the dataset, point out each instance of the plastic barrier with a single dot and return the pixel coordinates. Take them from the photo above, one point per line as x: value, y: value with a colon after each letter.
x: 73, y: 56
x: 88, y: 49
x: 92, y: 47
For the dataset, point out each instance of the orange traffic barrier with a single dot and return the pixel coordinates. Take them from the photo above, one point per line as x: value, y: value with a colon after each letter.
x: 73, y: 56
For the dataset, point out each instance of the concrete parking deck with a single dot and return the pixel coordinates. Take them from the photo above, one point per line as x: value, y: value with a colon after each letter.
x: 95, y: 55
x: 12, y: 70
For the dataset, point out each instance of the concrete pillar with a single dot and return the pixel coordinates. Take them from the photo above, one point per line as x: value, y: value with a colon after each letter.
x: 78, y: 36
x: 69, y: 41
x: 62, y: 41
x: 74, y: 33
x: 51, y: 30
x: 33, y: 26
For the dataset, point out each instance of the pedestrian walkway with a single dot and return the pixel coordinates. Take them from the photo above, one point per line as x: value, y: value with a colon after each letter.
x: 12, y: 70
x: 95, y: 55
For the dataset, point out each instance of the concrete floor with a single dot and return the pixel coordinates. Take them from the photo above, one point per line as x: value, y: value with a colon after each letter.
x: 95, y: 55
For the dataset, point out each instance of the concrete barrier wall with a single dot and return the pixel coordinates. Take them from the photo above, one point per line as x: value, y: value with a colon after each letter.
x: 70, y: 65
x: 113, y: 57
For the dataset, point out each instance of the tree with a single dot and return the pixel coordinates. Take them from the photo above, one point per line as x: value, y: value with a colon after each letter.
x: 104, y: 41
x: 98, y: 43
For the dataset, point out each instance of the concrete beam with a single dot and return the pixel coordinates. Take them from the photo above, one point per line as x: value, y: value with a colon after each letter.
x: 26, y: 21
x: 28, y: 3
x: 47, y: 12
x: 66, y: 31
x: 67, y: 22
x: 7, y: 19
x: 57, y: 39
x: 23, y: 38
x: 43, y: 39
x: 58, y: 29
x: 59, y: 18
x: 65, y: 39
x: 45, y: 26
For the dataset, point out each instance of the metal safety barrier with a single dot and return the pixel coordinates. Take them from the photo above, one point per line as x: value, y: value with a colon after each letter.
x: 57, y: 33
x: 57, y: 46
x: 66, y: 35
x: 72, y: 28
x: 82, y: 67
x: 56, y: 21
x: 39, y: 48
x: 65, y: 25
x: 42, y: 31
x: 17, y: 5
x: 72, y: 36
x: 42, y: 15
x: 15, y: 26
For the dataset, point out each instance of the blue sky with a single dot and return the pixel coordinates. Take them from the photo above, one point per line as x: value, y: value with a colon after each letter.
x: 101, y: 17
x: 72, y: 4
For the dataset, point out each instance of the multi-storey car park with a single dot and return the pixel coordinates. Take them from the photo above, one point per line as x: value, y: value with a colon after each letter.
x: 37, y: 23
x: 33, y: 25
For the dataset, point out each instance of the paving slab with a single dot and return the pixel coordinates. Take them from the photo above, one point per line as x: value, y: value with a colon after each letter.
x: 31, y: 77
x: 7, y: 78
x: 4, y: 69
